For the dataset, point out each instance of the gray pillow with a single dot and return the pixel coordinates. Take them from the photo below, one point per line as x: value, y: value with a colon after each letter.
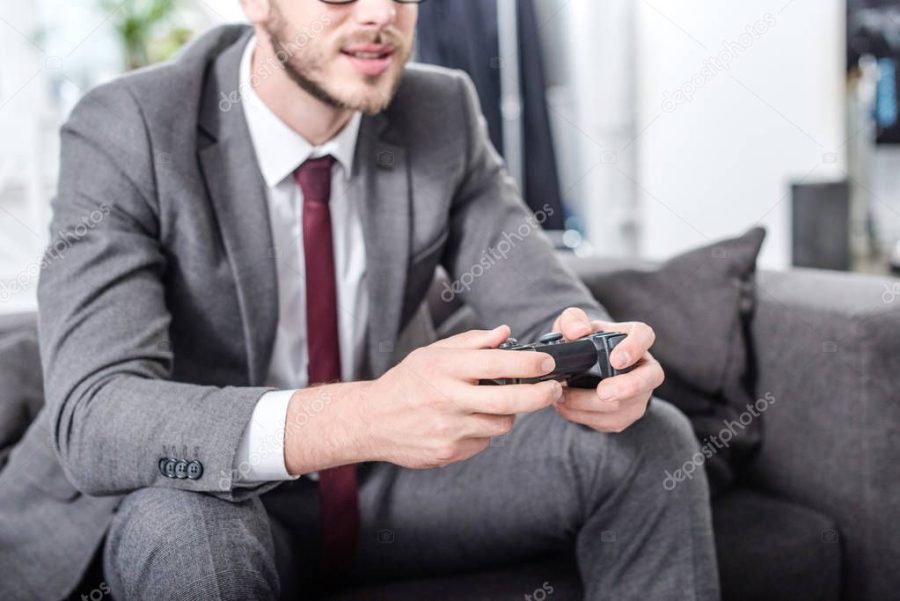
x: 21, y: 382
x: 700, y: 304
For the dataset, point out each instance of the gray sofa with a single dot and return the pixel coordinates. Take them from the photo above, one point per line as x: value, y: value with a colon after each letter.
x: 816, y: 515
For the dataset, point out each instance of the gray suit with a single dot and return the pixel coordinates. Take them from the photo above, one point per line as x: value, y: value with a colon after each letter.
x: 157, y: 319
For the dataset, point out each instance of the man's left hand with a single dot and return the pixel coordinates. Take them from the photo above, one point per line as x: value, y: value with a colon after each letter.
x: 619, y: 401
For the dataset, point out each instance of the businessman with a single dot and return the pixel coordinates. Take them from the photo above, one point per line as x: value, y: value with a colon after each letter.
x: 233, y: 410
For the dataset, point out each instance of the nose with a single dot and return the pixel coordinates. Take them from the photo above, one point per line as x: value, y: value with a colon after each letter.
x: 375, y: 13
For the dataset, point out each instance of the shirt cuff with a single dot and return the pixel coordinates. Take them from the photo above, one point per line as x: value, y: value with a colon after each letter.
x: 260, y: 454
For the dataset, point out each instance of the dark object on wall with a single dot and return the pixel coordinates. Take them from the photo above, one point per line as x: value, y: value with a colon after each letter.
x: 821, y: 225
x: 477, y: 53
x: 873, y: 29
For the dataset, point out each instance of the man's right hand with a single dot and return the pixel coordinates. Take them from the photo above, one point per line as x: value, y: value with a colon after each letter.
x: 430, y: 411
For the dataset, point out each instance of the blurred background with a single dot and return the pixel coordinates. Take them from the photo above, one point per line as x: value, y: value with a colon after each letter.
x: 650, y: 126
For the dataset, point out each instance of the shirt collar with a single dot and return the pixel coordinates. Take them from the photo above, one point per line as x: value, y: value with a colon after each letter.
x: 279, y: 149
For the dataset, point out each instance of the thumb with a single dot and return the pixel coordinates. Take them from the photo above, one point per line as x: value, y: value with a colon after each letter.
x: 573, y: 323
x: 476, y: 339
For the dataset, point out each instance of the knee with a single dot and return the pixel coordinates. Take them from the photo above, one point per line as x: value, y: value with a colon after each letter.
x: 151, y: 519
x: 661, y: 435
x: 666, y: 429
x: 670, y: 449
x: 185, y: 540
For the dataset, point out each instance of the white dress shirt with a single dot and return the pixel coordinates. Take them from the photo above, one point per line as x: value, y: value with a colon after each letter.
x: 279, y: 151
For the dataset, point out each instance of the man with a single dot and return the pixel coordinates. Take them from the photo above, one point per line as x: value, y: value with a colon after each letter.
x: 224, y: 403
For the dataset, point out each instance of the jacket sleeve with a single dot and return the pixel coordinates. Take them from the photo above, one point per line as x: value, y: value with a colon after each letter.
x: 498, y: 257
x: 115, y: 414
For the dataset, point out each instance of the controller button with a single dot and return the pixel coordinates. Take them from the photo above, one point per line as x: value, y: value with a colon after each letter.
x: 550, y: 338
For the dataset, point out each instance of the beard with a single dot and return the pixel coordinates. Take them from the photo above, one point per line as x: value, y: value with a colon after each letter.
x: 300, y: 61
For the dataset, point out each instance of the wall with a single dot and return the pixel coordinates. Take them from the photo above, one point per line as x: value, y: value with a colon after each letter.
x: 719, y: 156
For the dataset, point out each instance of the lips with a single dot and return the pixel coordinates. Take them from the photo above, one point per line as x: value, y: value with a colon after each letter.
x: 369, y: 59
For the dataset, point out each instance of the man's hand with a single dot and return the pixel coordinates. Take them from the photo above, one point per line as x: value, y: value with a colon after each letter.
x: 430, y: 410
x: 620, y: 401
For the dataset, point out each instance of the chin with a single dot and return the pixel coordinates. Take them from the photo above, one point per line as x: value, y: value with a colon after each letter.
x: 371, y: 103
x: 368, y: 98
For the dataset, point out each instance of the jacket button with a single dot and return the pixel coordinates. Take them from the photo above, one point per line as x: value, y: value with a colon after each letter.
x: 169, y: 468
x: 181, y: 469
x: 162, y: 465
x: 194, y: 470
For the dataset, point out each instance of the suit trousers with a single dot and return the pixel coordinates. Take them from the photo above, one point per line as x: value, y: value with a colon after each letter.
x: 549, y: 485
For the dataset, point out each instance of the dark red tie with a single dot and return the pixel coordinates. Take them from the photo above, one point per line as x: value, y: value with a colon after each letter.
x: 337, y: 486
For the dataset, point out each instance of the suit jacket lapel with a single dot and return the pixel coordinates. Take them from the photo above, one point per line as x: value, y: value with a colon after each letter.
x: 238, y: 196
x: 380, y: 186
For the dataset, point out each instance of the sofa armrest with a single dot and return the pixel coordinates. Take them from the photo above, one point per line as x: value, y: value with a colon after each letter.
x: 828, y: 351
x: 21, y: 381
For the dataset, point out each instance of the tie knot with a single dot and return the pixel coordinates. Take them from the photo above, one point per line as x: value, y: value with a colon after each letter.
x: 314, y: 179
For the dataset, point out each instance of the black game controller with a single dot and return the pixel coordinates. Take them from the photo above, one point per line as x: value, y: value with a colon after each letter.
x: 582, y: 363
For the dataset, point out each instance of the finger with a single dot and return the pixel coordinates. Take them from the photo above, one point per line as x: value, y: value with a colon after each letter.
x: 476, y: 339
x: 482, y: 425
x: 638, y: 340
x: 603, y: 422
x: 579, y: 399
x: 573, y: 323
x: 600, y: 325
x: 646, y: 376
x: 510, y: 399
x: 490, y: 364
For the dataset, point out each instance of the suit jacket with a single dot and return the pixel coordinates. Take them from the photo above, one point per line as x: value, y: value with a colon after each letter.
x: 158, y: 297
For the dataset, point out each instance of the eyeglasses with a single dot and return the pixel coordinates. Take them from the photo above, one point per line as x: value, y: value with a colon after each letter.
x: 352, y: 1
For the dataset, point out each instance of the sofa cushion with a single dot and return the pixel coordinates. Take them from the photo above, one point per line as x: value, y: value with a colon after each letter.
x: 21, y: 383
x: 774, y: 550
x: 699, y: 304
